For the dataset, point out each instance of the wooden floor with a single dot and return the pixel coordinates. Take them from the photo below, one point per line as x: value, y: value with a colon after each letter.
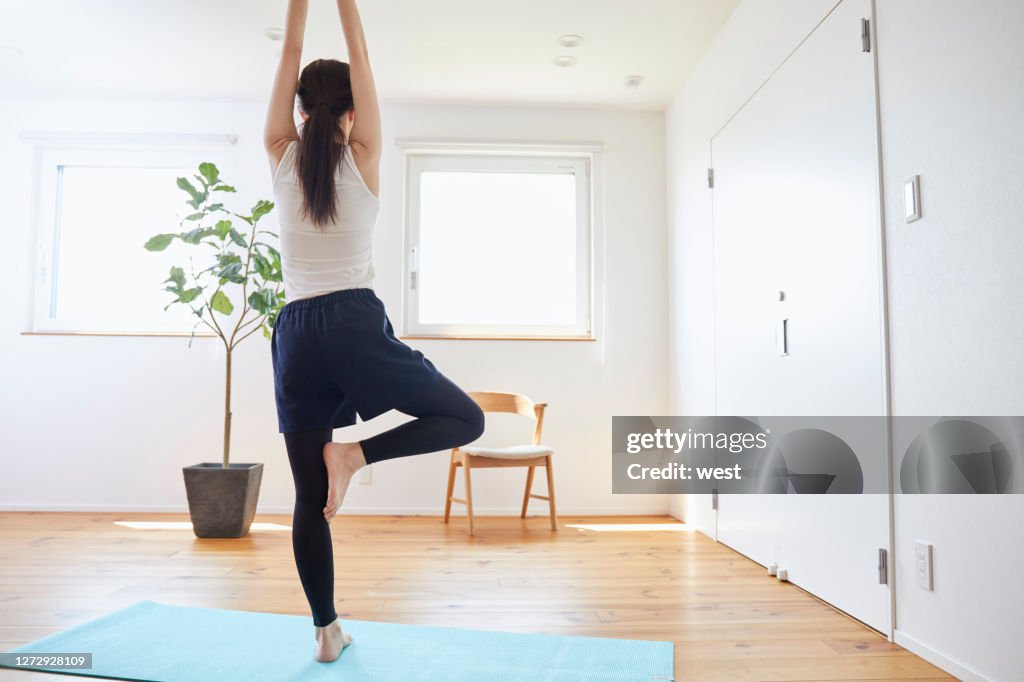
x: 595, y: 576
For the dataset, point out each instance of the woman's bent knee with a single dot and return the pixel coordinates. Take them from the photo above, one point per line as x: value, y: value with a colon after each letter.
x: 474, y: 419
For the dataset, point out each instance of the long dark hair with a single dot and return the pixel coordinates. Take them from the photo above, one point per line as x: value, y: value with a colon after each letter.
x: 325, y: 95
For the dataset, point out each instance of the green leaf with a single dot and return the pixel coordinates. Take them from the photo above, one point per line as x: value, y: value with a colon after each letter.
x: 209, y: 172
x: 221, y: 303
x: 197, y: 196
x: 230, y: 270
x: 238, y: 238
x: 212, y: 208
x: 177, y: 276
x: 190, y: 295
x: 263, y: 300
x: 195, y: 216
x: 226, y: 258
x: 268, y: 232
x: 196, y: 235
x: 274, y: 253
x: 257, y: 302
x: 269, y: 297
x: 262, y: 208
x: 222, y: 228
x: 160, y: 242
x: 224, y: 188
x: 263, y: 267
x: 275, y: 274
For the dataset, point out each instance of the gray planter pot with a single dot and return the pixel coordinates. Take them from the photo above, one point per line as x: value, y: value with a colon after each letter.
x: 222, y: 501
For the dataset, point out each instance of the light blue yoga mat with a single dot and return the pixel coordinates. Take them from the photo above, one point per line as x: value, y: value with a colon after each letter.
x: 152, y: 641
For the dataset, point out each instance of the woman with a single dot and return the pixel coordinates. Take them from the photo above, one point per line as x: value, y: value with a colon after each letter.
x: 333, y: 347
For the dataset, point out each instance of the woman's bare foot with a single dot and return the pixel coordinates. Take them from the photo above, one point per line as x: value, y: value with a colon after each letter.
x: 330, y: 640
x: 343, y: 460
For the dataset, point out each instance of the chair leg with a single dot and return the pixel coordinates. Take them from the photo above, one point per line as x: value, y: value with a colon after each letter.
x: 451, y: 489
x: 526, y: 495
x: 466, y: 467
x: 551, y: 494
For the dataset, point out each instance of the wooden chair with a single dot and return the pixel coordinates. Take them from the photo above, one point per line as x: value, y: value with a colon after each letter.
x: 473, y: 457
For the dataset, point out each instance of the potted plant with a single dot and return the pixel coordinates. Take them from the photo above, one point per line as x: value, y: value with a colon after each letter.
x: 222, y: 496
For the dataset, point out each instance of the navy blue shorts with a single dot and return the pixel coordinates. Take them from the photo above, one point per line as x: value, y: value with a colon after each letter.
x: 336, y: 355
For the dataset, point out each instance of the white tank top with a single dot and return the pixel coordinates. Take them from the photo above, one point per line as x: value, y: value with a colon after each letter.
x: 314, y: 260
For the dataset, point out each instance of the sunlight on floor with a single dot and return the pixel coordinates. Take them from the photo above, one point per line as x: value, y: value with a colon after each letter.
x: 635, y: 527
x: 187, y: 525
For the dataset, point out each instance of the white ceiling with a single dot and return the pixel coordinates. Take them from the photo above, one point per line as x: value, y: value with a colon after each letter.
x: 465, y: 50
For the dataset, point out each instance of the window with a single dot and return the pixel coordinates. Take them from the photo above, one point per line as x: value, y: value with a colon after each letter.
x: 100, y: 200
x: 498, y: 245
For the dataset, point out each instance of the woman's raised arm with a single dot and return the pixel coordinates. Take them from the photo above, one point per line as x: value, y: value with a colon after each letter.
x: 279, y: 128
x: 365, y: 133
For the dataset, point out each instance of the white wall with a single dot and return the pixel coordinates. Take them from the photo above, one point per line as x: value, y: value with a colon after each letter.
x: 955, y: 282
x: 107, y: 423
x: 951, y: 109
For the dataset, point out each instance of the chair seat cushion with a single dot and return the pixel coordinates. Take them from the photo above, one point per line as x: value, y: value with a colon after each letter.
x: 513, y: 452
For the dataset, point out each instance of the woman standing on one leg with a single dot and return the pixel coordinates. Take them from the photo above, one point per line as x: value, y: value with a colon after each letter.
x: 334, y: 351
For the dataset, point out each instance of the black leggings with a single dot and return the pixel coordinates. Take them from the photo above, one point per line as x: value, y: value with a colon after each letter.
x: 446, y: 417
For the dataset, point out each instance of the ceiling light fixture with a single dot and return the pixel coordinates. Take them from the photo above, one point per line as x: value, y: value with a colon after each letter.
x: 570, y: 40
x: 564, y: 60
x: 633, y: 82
x: 275, y: 34
x: 11, y: 51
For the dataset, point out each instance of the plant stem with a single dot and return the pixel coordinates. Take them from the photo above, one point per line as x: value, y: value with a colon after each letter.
x: 195, y: 280
x: 248, y: 334
x: 227, y: 409
x: 245, y: 284
x: 220, y: 333
x: 258, y: 319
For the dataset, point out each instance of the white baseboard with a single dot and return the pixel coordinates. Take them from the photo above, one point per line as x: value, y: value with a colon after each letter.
x: 360, y: 511
x: 677, y: 507
x: 935, y: 658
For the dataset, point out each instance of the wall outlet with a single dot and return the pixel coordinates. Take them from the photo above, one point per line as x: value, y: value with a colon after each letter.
x: 365, y: 475
x: 923, y: 565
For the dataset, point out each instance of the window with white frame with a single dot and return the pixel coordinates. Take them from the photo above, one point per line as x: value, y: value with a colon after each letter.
x: 99, y: 202
x: 498, y: 245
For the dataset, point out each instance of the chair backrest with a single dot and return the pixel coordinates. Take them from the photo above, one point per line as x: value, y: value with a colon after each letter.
x: 513, y: 403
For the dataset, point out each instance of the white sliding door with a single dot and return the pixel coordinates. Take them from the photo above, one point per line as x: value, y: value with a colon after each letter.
x: 796, y: 210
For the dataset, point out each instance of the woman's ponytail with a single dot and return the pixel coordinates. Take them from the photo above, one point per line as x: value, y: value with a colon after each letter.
x: 325, y: 95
